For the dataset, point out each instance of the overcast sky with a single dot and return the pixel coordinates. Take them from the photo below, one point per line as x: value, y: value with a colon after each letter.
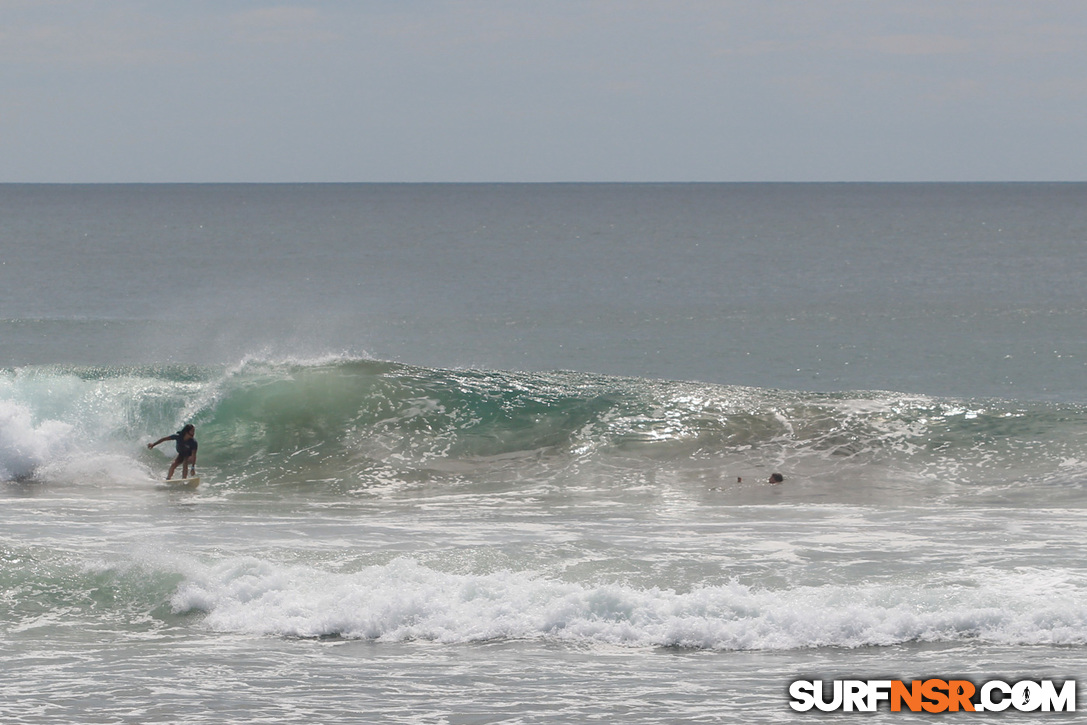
x: 542, y: 90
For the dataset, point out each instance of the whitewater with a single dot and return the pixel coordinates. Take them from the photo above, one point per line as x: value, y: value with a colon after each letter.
x: 514, y: 490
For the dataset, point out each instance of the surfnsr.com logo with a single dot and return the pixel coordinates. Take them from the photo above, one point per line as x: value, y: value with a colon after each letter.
x: 933, y: 695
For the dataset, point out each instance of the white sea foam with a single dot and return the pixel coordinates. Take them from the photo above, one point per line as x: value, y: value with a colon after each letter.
x: 26, y: 444
x: 59, y: 425
x: 403, y: 600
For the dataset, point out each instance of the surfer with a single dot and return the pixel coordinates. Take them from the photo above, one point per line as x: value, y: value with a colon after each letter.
x: 186, y: 450
x: 774, y: 478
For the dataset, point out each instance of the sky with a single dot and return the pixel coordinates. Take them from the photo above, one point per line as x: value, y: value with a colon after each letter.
x: 104, y: 91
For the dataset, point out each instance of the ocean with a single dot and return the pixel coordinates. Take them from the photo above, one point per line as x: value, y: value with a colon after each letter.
x: 499, y: 453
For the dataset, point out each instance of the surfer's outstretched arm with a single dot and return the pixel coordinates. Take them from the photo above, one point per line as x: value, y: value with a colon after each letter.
x: 160, y: 440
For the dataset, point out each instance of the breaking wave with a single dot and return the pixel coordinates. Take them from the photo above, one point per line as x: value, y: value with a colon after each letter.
x: 362, y: 421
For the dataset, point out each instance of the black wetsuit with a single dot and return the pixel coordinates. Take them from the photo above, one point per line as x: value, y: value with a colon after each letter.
x: 185, y: 448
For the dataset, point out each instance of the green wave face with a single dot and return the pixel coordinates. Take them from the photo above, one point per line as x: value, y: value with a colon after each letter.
x: 360, y: 421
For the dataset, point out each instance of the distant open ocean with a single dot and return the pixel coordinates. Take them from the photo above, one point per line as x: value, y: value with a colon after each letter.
x: 498, y: 453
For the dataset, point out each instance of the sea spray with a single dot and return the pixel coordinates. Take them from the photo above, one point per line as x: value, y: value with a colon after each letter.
x: 26, y: 444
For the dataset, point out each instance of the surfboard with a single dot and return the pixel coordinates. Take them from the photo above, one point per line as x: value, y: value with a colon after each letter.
x: 192, y: 482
